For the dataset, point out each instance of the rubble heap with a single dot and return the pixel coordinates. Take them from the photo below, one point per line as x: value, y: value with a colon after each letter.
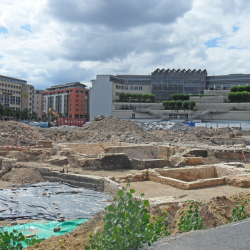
x: 18, y: 134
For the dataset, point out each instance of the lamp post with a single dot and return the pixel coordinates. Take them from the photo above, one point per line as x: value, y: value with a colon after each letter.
x: 129, y: 105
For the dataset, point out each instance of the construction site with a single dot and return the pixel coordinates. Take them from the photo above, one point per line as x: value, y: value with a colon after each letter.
x: 169, y: 164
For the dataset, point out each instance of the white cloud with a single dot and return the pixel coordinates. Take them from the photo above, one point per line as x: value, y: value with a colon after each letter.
x: 75, y: 40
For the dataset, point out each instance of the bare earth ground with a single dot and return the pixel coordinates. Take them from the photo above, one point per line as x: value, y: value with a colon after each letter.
x: 152, y: 189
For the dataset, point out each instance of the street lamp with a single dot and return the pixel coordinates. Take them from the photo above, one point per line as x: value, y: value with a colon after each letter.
x: 129, y: 105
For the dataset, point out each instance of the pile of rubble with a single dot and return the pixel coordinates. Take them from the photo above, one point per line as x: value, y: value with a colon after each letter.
x: 66, y: 127
x: 18, y: 134
x: 103, y: 129
x: 150, y: 126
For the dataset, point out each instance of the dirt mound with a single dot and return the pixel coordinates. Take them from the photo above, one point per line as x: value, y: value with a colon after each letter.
x: 18, y: 134
x: 23, y: 176
x: 104, y: 129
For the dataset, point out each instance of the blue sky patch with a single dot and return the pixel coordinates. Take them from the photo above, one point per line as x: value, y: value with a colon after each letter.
x: 26, y: 27
x: 212, y: 43
x: 235, y: 29
x: 1, y: 56
x: 3, y: 30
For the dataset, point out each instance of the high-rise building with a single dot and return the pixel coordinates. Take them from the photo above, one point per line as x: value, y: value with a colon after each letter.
x: 16, y: 93
x: 70, y: 100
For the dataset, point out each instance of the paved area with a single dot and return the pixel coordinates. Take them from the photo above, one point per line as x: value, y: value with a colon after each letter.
x: 227, y: 237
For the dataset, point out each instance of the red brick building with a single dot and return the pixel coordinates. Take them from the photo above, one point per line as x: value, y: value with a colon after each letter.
x: 70, y: 100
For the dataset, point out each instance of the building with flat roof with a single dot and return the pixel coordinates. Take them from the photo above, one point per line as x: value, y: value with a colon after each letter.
x: 70, y: 100
x: 38, y: 102
x: 16, y: 93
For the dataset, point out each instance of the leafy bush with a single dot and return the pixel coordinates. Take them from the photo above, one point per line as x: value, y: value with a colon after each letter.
x: 172, y: 104
x: 122, y: 97
x: 185, y: 104
x: 239, y: 212
x: 145, y: 97
x: 241, y: 88
x: 192, y: 104
x: 127, y: 225
x: 179, y: 104
x: 151, y: 97
x: 191, y: 220
x: 233, y: 89
x: 13, y: 240
x: 175, y: 97
x: 247, y: 88
x: 165, y: 104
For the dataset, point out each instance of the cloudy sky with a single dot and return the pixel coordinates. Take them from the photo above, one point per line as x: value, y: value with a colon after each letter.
x: 48, y: 42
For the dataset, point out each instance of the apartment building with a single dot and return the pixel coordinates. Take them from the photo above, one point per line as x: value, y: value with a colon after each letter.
x: 70, y: 100
x: 38, y: 102
x: 16, y: 93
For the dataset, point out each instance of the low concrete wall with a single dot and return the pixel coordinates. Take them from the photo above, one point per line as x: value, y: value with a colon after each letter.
x: 154, y: 163
x: 87, y: 181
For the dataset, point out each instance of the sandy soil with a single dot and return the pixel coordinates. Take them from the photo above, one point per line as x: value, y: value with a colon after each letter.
x: 152, y: 189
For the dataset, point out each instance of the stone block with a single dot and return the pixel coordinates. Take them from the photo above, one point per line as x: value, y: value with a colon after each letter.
x: 57, y: 229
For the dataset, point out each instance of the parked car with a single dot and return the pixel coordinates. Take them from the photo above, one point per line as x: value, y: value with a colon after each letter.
x: 26, y: 122
x: 44, y: 125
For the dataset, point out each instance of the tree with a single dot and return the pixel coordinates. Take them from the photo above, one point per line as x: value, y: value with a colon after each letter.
x: 241, y: 88
x: 186, y: 97
x: 185, y: 104
x: 192, y: 104
x: 145, y: 97
x: 34, y: 116
x: 179, y: 104
x: 238, y: 97
x: 139, y: 97
x: 2, y: 110
x: 26, y: 114
x: 172, y: 104
x: 245, y: 96
x: 151, y: 97
x: 175, y: 97
x: 232, y: 96
x: 134, y: 97
x: 233, y: 89
x: 247, y: 88
x: 122, y: 97
x: 165, y: 104
x: 9, y: 112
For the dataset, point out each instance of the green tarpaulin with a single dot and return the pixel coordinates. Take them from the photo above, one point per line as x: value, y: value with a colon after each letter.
x: 44, y: 229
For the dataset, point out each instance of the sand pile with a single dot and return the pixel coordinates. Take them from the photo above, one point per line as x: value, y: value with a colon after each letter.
x: 18, y: 134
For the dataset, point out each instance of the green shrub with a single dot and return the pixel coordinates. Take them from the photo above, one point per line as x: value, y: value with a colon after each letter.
x: 145, y: 97
x: 247, y: 88
x: 239, y: 212
x: 122, y: 97
x: 191, y: 220
x: 232, y: 96
x: 233, y: 89
x: 185, y: 104
x: 165, y: 104
x: 186, y: 97
x: 127, y: 225
x: 238, y: 97
x: 192, y: 104
x: 13, y: 240
x: 241, y: 88
x: 179, y: 104
x: 245, y: 96
x: 172, y: 104
x: 151, y: 97
x: 175, y: 97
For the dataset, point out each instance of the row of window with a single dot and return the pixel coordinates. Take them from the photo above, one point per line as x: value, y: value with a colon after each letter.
x: 10, y: 86
x: 10, y: 91
x: 129, y: 87
x: 6, y: 79
x: 14, y: 100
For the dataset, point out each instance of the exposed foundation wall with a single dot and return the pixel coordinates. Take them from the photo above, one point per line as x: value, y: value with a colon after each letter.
x: 188, y: 174
x: 138, y: 152
x: 86, y: 181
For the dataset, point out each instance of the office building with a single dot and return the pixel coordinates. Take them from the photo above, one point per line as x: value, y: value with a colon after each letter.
x: 38, y: 102
x: 70, y: 100
x: 16, y: 93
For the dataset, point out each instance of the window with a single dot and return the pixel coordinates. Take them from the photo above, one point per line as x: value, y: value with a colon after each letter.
x: 117, y: 86
x: 136, y: 87
x: 126, y: 87
x: 77, y: 100
x: 81, y: 96
x: 117, y: 93
x: 69, y: 109
x: 81, y: 105
x: 131, y: 88
x: 76, y: 104
x: 76, y: 109
x: 81, y: 100
x: 12, y: 100
x: 82, y: 110
x: 77, y: 95
x: 70, y: 100
x: 70, y: 105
